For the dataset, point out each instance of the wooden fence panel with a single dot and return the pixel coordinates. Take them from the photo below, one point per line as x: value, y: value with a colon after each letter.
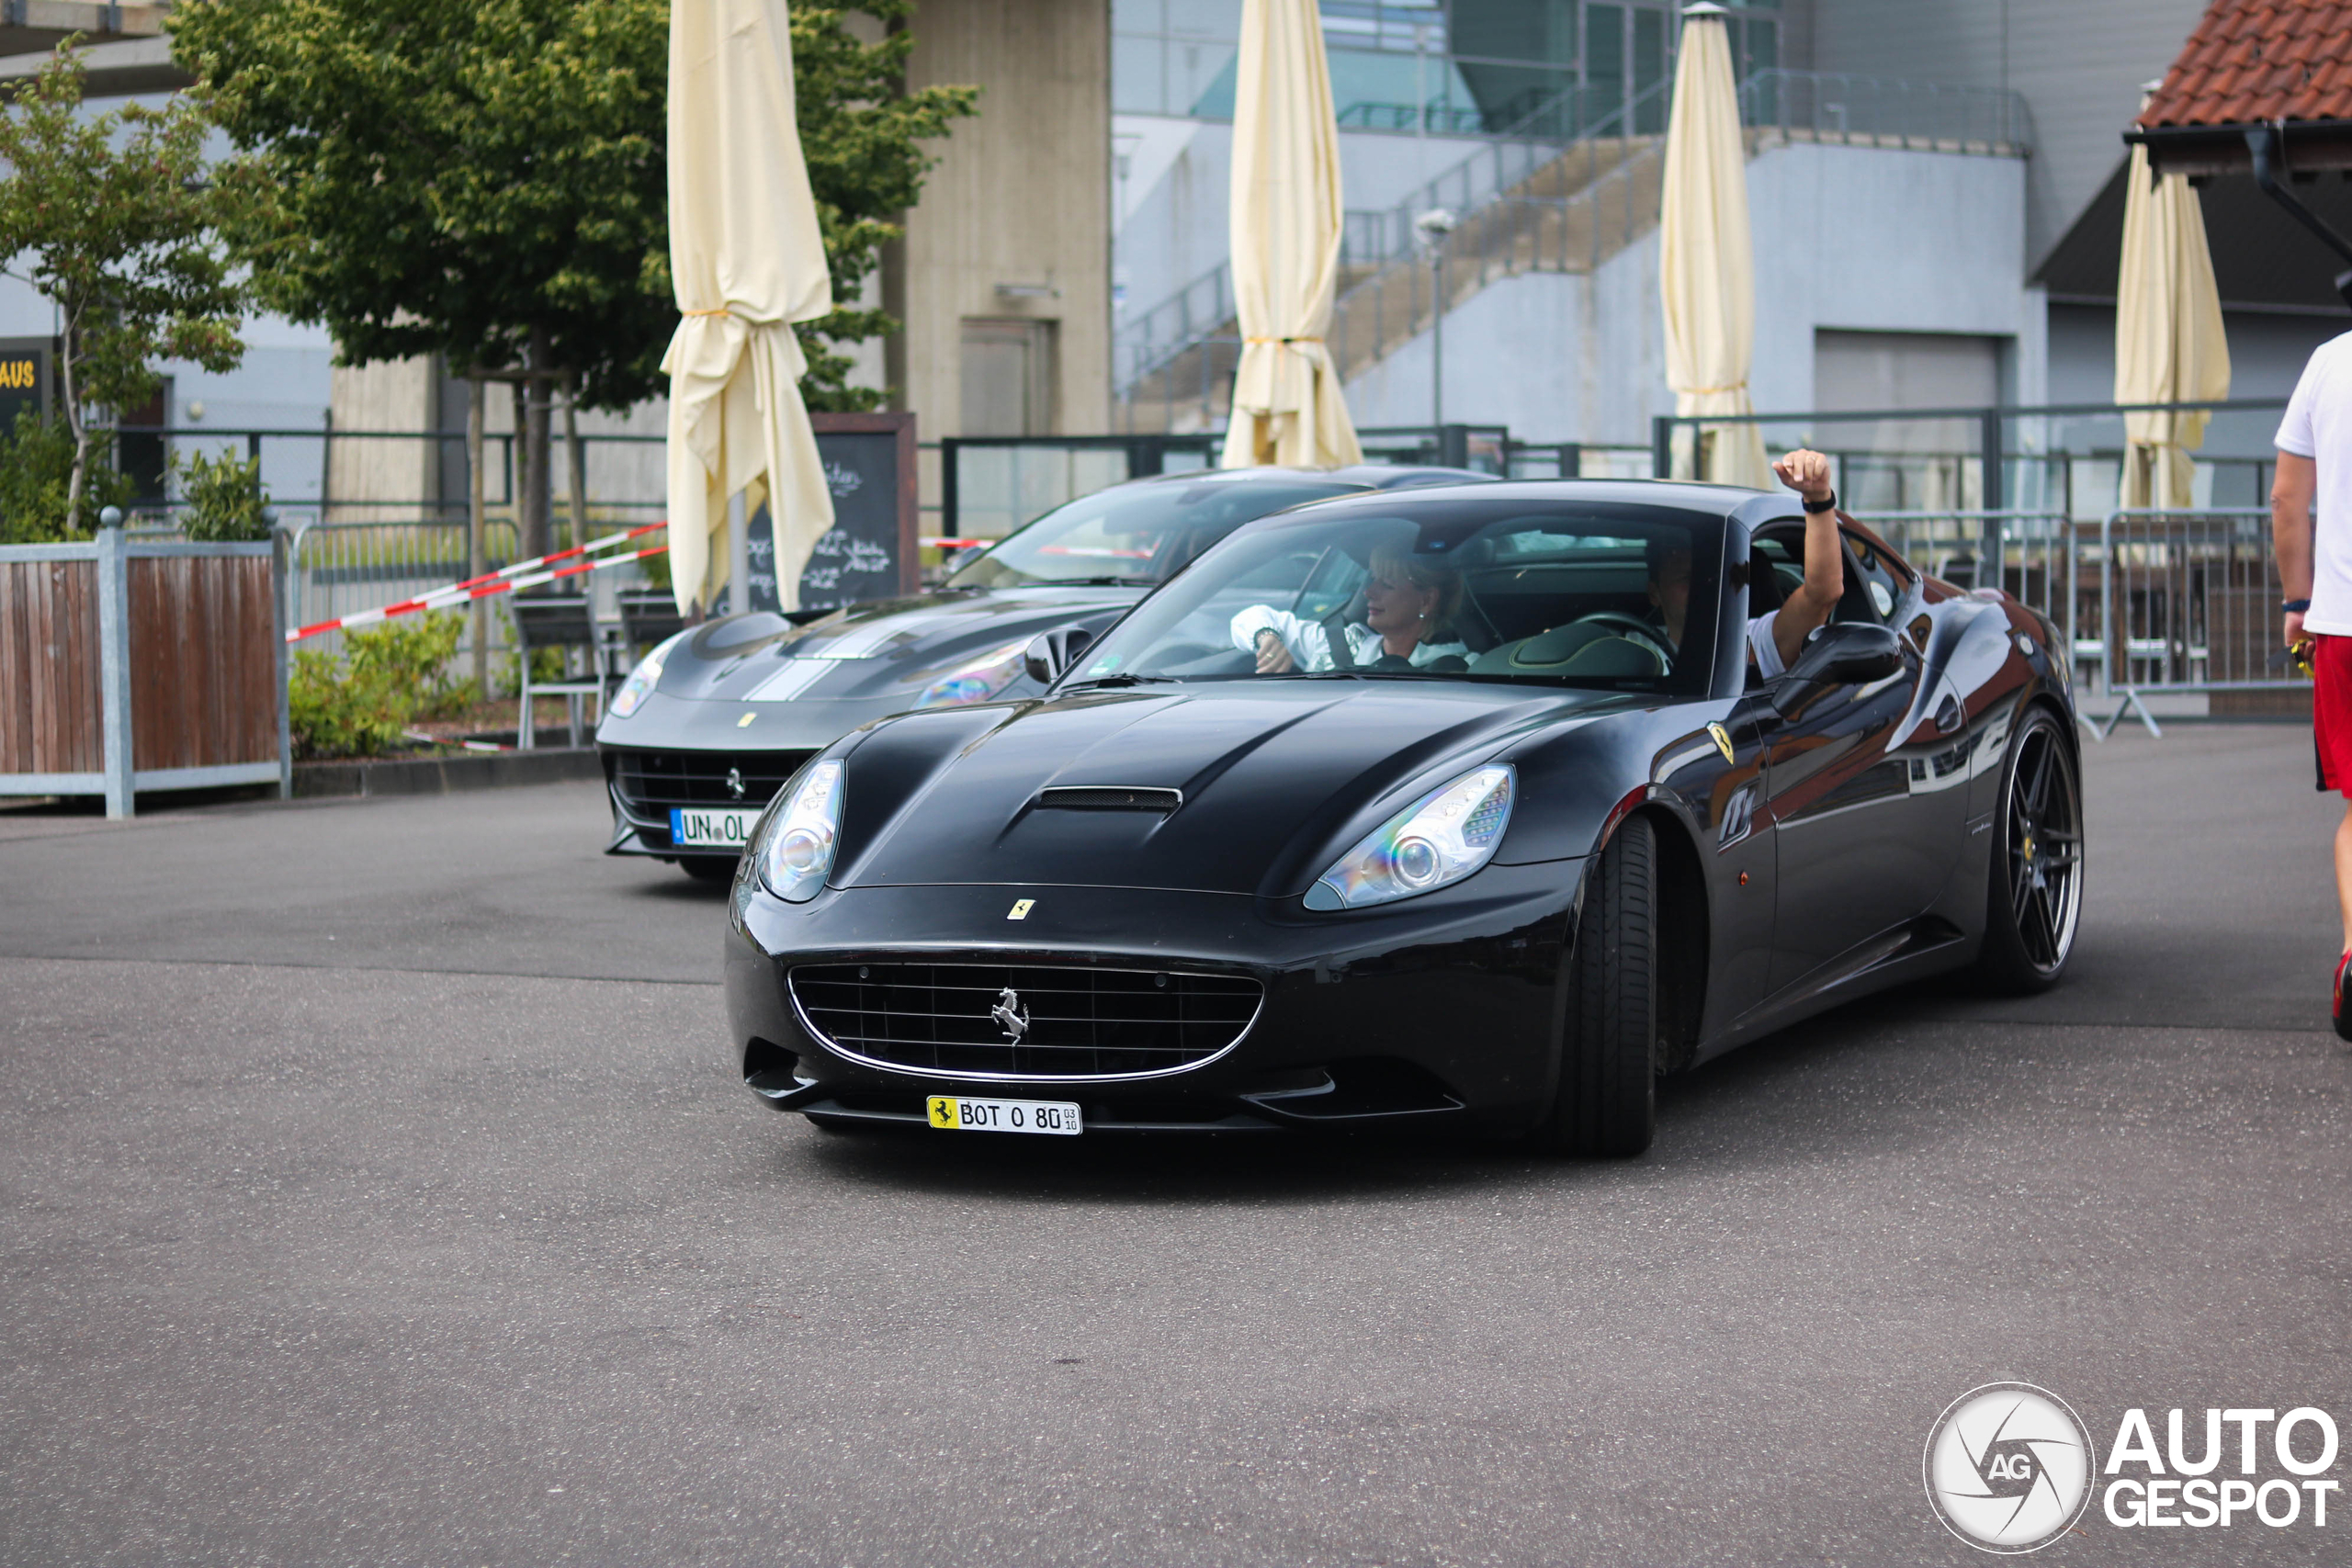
x: 203, y: 661
x: 48, y: 668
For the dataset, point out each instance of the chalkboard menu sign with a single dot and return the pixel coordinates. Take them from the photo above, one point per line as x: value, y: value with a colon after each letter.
x: 23, y: 379
x: 870, y: 554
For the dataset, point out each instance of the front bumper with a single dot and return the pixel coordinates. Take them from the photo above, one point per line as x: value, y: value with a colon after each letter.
x: 1439, y: 1011
x: 678, y: 751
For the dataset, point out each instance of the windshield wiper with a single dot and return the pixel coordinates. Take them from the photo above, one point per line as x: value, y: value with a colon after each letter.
x: 1125, y: 679
x: 1089, y: 583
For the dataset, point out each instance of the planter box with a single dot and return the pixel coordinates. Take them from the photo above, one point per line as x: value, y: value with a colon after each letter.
x: 128, y: 666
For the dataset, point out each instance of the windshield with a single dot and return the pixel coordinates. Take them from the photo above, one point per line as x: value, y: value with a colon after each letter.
x: 1606, y: 595
x: 1136, y: 532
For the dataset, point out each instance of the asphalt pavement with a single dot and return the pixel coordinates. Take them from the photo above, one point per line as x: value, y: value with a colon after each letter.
x: 374, y: 1188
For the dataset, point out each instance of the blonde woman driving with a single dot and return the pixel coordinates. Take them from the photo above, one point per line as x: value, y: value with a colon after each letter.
x: 1408, y: 624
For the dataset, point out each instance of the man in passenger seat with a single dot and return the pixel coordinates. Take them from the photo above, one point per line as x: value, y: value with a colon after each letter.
x: 1775, y: 636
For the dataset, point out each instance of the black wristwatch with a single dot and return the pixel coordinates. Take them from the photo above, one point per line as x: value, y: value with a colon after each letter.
x: 2294, y: 606
x: 1819, y: 507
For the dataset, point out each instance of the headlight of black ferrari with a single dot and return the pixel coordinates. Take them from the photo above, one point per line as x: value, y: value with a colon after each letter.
x: 1437, y: 841
x: 793, y: 848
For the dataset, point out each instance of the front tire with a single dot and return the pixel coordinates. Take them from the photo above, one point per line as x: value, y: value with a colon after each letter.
x: 2034, y: 885
x: 1607, y: 1101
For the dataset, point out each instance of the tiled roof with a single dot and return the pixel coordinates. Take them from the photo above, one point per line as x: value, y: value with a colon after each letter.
x: 2255, y: 61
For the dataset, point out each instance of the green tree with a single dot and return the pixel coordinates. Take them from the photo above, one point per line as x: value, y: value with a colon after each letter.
x: 486, y: 179
x: 37, y: 475
x: 111, y: 216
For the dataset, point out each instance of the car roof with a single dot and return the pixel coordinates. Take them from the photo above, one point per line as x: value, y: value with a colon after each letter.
x: 1369, y: 476
x: 1721, y: 500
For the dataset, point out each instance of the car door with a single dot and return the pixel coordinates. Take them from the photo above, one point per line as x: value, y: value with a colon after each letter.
x: 1862, y: 846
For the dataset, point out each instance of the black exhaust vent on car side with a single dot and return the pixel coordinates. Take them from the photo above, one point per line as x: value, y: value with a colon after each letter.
x: 1110, y: 797
x: 1024, y: 1020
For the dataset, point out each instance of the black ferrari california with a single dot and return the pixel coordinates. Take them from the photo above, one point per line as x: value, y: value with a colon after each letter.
x: 711, y: 722
x: 1416, y: 809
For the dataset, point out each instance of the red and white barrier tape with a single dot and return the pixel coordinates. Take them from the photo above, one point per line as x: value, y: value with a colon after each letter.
x: 930, y: 544
x: 506, y: 580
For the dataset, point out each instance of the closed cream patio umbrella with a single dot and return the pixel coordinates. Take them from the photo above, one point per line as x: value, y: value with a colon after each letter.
x: 2169, y: 344
x: 1288, y: 405
x: 747, y: 261
x: 1706, y: 269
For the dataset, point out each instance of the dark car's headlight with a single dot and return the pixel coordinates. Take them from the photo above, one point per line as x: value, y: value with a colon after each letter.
x: 793, y: 847
x: 1437, y: 841
x: 644, y: 678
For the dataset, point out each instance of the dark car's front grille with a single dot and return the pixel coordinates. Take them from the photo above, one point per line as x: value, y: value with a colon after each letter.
x: 1025, y: 1021
x: 651, y: 782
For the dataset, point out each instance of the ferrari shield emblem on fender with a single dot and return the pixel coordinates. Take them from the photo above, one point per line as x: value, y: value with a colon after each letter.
x: 1723, y: 739
x: 1021, y: 907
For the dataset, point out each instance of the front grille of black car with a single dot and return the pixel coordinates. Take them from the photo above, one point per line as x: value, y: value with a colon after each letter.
x: 1079, y: 1021
x: 651, y: 782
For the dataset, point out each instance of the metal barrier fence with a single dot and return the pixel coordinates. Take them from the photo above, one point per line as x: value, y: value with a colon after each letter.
x: 2190, y: 603
x: 2149, y: 602
x: 2033, y: 555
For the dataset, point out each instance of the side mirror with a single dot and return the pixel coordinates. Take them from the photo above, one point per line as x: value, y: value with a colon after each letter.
x: 1843, y: 653
x: 1050, y: 653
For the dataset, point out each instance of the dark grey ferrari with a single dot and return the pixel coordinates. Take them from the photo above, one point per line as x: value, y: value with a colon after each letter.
x: 712, y: 721
x: 1500, y: 877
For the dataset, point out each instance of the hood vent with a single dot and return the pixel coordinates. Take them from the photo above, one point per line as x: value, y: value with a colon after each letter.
x: 1110, y: 797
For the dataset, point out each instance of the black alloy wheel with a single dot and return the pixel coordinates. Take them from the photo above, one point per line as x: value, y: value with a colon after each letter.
x: 2034, y: 885
x: 1607, y: 1101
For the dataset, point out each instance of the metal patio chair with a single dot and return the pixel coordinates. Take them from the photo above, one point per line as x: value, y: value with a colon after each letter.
x: 568, y: 622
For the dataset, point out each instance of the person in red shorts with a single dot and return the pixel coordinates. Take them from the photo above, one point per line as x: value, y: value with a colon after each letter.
x: 2311, y: 527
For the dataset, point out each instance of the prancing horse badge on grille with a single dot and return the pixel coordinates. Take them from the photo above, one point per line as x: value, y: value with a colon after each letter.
x: 735, y: 782
x: 1010, y: 1016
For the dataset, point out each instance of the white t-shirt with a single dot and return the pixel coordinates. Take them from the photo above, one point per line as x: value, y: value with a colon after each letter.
x: 2318, y: 425
x: 1762, y: 646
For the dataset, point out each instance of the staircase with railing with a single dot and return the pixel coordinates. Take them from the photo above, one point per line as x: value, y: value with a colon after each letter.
x: 1526, y: 203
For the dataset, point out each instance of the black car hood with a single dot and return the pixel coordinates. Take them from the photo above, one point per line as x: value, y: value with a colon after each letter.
x: 879, y: 648
x: 1274, y: 777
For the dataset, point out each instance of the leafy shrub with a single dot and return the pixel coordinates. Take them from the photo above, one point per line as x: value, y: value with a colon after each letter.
x: 224, y: 496
x: 416, y: 651
x: 390, y: 676
x: 546, y: 664
x: 36, y: 474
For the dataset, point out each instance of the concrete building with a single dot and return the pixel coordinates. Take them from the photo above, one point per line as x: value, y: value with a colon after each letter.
x: 1936, y: 187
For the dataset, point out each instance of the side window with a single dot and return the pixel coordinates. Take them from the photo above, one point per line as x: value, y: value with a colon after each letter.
x: 1881, y: 581
x: 1784, y: 551
x: 1783, y: 545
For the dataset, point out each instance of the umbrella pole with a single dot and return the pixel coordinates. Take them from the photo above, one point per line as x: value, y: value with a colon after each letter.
x: 738, y: 558
x: 575, y: 460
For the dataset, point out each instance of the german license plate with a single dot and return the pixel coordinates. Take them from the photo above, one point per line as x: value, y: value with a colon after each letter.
x: 710, y: 830
x: 954, y: 1114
